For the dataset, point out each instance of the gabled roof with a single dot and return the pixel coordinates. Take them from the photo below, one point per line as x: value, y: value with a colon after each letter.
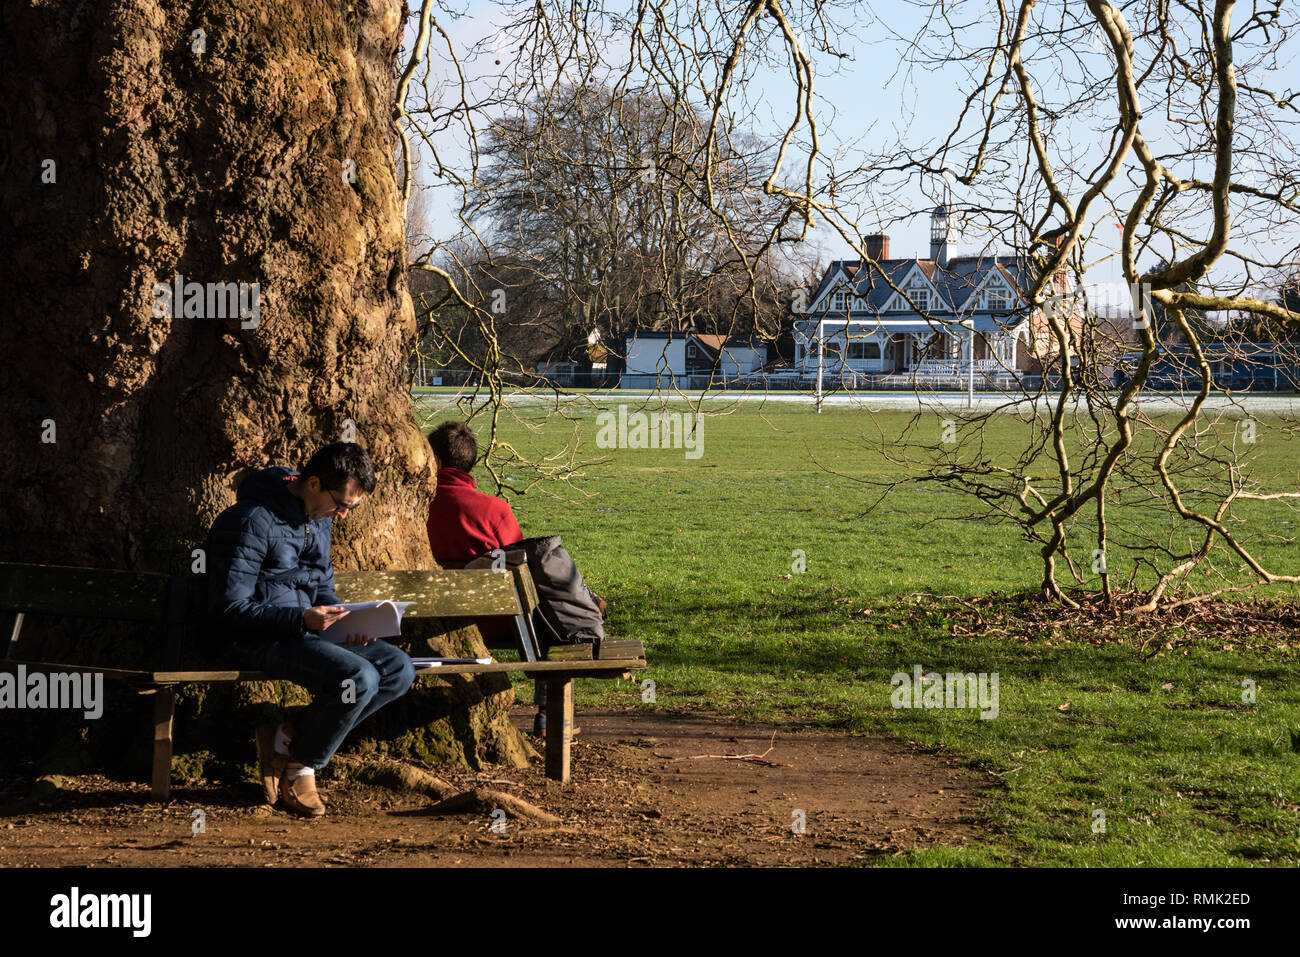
x: 712, y: 343
x: 832, y: 274
x: 866, y: 282
x: 901, y: 279
x: 964, y: 276
x: 954, y: 283
x: 716, y: 344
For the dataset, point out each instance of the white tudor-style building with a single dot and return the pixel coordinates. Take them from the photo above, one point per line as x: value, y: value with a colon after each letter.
x: 961, y: 309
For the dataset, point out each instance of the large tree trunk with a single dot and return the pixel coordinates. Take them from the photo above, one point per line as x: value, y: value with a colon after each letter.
x: 133, y: 148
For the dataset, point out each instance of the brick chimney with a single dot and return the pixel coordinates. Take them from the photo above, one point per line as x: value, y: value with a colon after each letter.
x: 878, y: 246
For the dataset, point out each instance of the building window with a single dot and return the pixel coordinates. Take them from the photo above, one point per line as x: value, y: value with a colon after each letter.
x: 837, y: 301
x: 919, y: 296
x: 864, y: 350
x: 999, y: 299
x: 919, y: 293
x: 691, y: 350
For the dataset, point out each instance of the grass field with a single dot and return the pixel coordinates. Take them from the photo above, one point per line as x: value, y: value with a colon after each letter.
x: 699, y: 560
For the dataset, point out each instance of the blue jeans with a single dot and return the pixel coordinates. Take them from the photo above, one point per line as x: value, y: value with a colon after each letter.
x: 380, y: 673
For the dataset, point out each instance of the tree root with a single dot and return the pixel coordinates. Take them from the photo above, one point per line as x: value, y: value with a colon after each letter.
x: 486, y: 800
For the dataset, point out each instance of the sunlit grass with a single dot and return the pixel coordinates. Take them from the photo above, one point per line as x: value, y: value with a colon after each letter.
x: 700, y: 559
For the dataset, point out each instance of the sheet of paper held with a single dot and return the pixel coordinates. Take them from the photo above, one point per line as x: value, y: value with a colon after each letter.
x: 374, y: 619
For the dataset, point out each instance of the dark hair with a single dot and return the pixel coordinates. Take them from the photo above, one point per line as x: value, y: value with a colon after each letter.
x: 338, y: 462
x: 455, y: 445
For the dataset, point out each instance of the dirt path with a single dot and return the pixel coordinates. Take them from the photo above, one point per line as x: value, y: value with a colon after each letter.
x: 648, y: 790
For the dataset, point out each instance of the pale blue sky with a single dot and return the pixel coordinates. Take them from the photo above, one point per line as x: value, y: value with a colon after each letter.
x: 866, y: 103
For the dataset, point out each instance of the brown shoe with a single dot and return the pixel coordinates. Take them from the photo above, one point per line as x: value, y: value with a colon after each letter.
x: 299, y: 794
x: 272, y: 765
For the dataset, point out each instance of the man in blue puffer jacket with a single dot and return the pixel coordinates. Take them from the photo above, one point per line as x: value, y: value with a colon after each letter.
x: 271, y: 594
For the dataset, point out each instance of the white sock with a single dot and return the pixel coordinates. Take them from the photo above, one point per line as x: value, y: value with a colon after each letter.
x: 299, y: 772
x: 281, y: 741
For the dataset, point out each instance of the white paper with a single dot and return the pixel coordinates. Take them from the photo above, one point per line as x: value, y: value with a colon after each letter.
x: 373, y: 619
x: 436, y: 662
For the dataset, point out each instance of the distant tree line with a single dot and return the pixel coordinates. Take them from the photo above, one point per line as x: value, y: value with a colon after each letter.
x: 593, y: 222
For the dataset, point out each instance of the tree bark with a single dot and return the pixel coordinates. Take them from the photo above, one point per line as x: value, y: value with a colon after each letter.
x: 227, y: 141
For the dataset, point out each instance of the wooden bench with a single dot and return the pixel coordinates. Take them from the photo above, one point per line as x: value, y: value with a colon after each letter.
x: 168, y: 606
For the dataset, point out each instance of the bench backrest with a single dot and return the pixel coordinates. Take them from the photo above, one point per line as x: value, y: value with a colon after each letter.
x: 83, y: 592
x: 175, y: 601
x: 105, y: 594
x: 465, y: 593
x: 453, y: 593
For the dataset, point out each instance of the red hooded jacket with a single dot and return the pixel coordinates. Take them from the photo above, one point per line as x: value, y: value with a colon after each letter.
x: 465, y: 523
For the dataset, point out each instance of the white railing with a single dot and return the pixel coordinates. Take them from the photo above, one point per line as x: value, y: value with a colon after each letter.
x: 938, y: 367
x: 956, y: 367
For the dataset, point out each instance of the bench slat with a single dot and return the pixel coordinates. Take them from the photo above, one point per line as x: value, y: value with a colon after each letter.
x: 523, y: 581
x: 437, y: 594
x: 577, y: 668
x: 83, y: 592
x: 576, y: 652
x: 117, y: 674
x: 622, y: 648
x: 609, y: 648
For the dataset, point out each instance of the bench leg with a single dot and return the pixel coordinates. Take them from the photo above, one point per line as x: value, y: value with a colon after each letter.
x: 559, y: 727
x: 164, y: 704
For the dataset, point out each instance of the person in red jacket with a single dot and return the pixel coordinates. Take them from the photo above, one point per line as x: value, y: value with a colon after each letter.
x: 464, y: 523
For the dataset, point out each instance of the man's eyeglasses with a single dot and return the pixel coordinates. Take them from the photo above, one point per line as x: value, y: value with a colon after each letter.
x: 339, y: 506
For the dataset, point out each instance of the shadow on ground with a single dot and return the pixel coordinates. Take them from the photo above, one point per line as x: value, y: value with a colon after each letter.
x: 647, y: 790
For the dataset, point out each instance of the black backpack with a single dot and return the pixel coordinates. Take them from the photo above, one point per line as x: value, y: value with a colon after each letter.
x: 567, y: 612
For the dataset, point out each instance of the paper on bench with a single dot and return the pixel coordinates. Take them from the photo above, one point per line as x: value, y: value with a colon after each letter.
x: 374, y: 619
x: 435, y: 662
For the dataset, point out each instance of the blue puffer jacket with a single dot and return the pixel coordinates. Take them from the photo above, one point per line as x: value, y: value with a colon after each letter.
x: 266, y: 563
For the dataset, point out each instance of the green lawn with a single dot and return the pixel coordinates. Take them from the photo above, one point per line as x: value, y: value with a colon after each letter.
x: 697, y: 559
